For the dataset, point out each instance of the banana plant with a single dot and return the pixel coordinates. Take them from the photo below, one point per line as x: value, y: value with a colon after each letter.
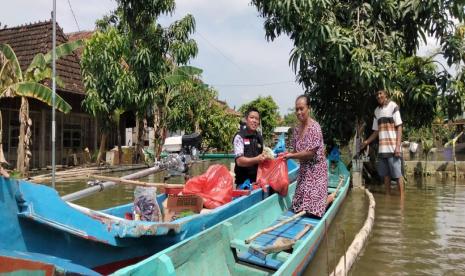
x: 28, y: 84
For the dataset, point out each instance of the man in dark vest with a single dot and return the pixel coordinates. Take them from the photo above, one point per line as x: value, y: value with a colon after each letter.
x: 248, y: 148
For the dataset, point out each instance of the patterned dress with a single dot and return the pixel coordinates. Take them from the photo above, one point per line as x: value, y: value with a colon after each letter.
x: 312, y: 180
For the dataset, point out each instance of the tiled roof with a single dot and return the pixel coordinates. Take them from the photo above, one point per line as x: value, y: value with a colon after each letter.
x: 29, y: 40
x: 79, y: 35
x: 228, y: 109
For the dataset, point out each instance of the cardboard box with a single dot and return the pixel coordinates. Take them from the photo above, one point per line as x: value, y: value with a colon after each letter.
x: 179, y: 203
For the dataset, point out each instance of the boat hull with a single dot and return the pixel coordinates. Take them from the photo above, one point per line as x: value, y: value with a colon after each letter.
x: 221, y: 250
x: 40, y: 222
x: 25, y: 263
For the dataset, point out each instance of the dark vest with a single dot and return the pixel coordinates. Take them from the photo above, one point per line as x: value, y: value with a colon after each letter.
x: 251, y: 149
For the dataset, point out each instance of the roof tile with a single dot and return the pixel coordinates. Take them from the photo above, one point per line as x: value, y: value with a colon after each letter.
x: 31, y: 39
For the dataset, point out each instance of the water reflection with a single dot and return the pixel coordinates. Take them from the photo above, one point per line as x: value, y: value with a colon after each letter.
x: 424, y: 235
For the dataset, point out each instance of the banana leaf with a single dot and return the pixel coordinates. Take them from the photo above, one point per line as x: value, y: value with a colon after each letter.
x: 41, y: 93
x: 11, y: 57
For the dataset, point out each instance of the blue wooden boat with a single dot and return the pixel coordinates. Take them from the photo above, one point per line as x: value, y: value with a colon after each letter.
x: 25, y: 263
x: 39, y: 221
x: 222, y: 250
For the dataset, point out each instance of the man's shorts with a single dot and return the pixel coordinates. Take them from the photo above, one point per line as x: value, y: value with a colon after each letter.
x: 391, y: 166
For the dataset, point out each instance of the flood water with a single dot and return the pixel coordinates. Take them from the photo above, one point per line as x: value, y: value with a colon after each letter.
x: 121, y: 194
x: 423, y: 235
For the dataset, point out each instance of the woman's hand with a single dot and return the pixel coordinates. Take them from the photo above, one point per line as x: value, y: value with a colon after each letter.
x: 286, y: 155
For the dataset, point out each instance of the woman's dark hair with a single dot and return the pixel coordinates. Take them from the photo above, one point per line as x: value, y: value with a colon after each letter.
x: 251, y: 109
x: 303, y: 96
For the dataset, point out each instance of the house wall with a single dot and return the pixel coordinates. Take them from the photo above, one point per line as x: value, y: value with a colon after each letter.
x: 74, y: 132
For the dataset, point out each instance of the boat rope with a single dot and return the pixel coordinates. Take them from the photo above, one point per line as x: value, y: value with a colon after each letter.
x: 346, y: 261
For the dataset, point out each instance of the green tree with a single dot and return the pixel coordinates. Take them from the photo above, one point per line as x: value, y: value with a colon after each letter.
x: 170, y: 87
x: 196, y: 109
x: 190, y: 105
x: 218, y: 127
x: 416, y: 89
x: 269, y: 115
x: 27, y: 84
x: 109, y: 82
x: 346, y: 50
x: 153, y: 50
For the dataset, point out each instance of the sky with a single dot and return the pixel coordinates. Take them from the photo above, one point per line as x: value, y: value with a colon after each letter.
x: 233, y: 52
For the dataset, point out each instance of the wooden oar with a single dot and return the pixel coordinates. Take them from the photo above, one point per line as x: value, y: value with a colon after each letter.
x: 135, y: 182
x: 269, y: 229
x: 280, y: 244
x: 333, y: 195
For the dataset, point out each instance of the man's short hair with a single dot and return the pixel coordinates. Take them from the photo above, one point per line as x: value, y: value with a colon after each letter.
x: 251, y: 109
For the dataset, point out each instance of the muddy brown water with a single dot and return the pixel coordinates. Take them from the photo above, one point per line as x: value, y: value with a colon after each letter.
x: 121, y: 194
x: 422, y: 235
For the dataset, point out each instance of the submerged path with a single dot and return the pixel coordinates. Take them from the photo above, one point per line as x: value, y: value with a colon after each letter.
x: 423, y: 235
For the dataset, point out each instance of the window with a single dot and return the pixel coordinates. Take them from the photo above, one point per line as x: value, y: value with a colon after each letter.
x: 14, y: 136
x: 71, y: 136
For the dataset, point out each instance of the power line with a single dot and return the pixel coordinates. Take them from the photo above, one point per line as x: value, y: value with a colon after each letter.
x: 253, y: 84
x: 74, y: 16
x: 221, y: 52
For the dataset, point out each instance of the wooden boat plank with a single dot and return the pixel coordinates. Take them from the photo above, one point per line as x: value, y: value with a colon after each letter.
x: 269, y: 262
x: 289, y: 231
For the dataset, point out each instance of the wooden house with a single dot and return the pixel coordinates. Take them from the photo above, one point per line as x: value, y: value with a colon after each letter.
x: 76, y: 130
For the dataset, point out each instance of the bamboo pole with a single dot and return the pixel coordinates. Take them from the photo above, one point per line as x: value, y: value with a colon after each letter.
x: 135, y: 182
x: 269, y: 229
x: 95, y: 189
x: 81, y: 172
x: 346, y: 261
x: 94, y: 213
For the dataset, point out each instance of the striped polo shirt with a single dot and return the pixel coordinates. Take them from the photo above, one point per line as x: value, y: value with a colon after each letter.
x: 387, y: 118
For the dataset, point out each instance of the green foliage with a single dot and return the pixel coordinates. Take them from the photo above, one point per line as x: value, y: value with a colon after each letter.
x: 416, y: 89
x: 426, y: 136
x: 417, y: 134
x: 269, y: 115
x: 290, y: 119
x: 9, y: 61
x: 34, y: 90
x: 218, y: 127
x: 109, y: 83
x: 153, y: 49
x: 346, y: 50
x: 155, y: 53
x: 454, y: 96
x: 13, y: 83
x: 191, y: 105
x: 139, y: 14
x: 195, y: 109
x: 14, y: 174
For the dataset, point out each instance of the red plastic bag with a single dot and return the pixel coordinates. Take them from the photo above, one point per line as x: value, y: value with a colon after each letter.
x: 214, y: 186
x: 274, y: 173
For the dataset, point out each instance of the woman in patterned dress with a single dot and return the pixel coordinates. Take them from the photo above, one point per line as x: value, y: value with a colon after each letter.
x: 308, y: 145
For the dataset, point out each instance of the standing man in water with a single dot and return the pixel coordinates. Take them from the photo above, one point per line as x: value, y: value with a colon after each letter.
x: 387, y: 125
x: 248, y: 148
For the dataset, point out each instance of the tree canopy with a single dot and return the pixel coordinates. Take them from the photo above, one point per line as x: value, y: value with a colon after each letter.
x: 344, y: 51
